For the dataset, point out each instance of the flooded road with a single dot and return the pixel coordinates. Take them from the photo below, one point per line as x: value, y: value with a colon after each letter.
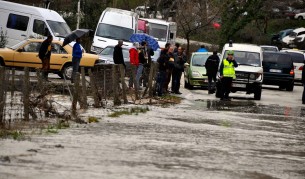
x: 200, y: 138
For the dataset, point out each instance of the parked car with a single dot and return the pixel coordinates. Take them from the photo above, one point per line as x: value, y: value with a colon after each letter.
x: 278, y: 70
x: 277, y: 38
x: 294, y: 34
x: 25, y: 54
x: 269, y: 48
x: 298, y: 58
x: 300, y: 16
x: 249, y: 73
x: 195, y: 72
x: 291, y: 14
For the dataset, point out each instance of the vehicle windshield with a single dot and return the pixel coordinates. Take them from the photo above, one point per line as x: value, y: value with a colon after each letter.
x: 15, y: 47
x: 114, y: 32
x: 297, y: 57
x: 247, y: 58
x: 276, y: 60
x: 158, y: 31
x: 199, y: 59
x: 59, y: 29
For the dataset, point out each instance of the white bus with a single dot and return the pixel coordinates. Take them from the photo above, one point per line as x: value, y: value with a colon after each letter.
x: 163, y: 31
x: 114, y: 24
x: 19, y: 22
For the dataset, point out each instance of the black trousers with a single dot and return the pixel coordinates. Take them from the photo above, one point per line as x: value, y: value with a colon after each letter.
x: 176, y: 77
x: 211, y: 85
x: 226, y: 83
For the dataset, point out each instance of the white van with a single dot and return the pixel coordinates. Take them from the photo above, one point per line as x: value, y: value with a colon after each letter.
x: 114, y: 25
x: 163, y: 31
x: 249, y: 73
x: 20, y: 22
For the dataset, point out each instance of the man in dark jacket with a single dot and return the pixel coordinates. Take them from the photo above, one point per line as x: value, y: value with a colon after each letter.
x: 211, y: 66
x: 118, y: 54
x: 45, y: 55
x: 303, y: 81
x: 161, y: 79
x: 179, y: 61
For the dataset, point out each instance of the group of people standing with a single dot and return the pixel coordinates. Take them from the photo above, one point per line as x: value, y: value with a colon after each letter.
x: 171, y: 66
x: 140, y: 57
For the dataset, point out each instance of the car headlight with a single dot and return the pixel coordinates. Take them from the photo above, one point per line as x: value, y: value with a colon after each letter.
x: 255, y: 76
x: 97, y: 50
x: 195, y: 74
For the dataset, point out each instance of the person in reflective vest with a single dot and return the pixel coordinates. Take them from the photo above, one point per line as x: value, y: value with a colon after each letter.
x: 227, y: 74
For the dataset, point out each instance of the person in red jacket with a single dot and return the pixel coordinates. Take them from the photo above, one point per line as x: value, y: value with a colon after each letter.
x: 134, y: 61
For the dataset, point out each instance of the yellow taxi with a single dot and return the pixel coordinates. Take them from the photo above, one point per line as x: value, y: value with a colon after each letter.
x: 25, y: 54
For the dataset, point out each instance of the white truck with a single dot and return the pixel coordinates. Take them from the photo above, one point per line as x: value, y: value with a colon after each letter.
x: 249, y: 73
x: 114, y: 24
x: 163, y: 31
x: 19, y: 22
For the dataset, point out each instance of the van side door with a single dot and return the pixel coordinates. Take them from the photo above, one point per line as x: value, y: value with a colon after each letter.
x: 17, y: 26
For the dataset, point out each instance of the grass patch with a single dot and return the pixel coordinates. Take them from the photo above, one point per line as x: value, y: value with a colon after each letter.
x: 53, y: 128
x: 134, y: 110
x: 225, y: 123
x: 14, y: 134
x: 92, y: 119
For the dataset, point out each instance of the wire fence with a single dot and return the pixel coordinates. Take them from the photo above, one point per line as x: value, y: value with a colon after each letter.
x: 24, y: 95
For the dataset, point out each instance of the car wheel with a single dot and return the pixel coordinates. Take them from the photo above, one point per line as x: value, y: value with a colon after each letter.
x: 300, y: 17
x: 258, y: 94
x: 66, y: 72
x: 290, y: 87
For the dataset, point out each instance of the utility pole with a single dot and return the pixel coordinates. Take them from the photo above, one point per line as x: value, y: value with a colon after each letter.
x: 78, y: 14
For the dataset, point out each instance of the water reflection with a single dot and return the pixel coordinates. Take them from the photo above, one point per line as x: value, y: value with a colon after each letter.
x: 249, y: 107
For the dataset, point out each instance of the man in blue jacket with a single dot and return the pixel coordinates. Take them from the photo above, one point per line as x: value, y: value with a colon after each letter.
x: 77, y: 54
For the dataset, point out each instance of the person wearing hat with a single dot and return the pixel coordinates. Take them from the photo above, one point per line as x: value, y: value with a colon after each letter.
x: 227, y: 74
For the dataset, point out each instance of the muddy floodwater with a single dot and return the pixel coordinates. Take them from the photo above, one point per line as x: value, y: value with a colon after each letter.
x: 200, y: 138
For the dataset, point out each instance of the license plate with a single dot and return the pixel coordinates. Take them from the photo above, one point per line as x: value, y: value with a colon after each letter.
x: 275, y: 70
x: 239, y: 85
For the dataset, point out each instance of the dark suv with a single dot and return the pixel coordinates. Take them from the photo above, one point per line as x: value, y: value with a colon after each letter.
x: 278, y: 70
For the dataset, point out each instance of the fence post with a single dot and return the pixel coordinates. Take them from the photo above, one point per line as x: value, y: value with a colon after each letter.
x: 75, y: 95
x: 26, y: 94
x: 94, y: 90
x: 84, y: 103
x: 124, y: 87
x: 115, y: 86
x: 2, y: 92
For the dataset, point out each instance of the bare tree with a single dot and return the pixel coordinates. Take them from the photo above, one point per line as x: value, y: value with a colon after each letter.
x: 192, y: 16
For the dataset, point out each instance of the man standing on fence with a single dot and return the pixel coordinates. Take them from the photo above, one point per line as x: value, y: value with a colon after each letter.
x: 45, y: 55
x: 118, y: 54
